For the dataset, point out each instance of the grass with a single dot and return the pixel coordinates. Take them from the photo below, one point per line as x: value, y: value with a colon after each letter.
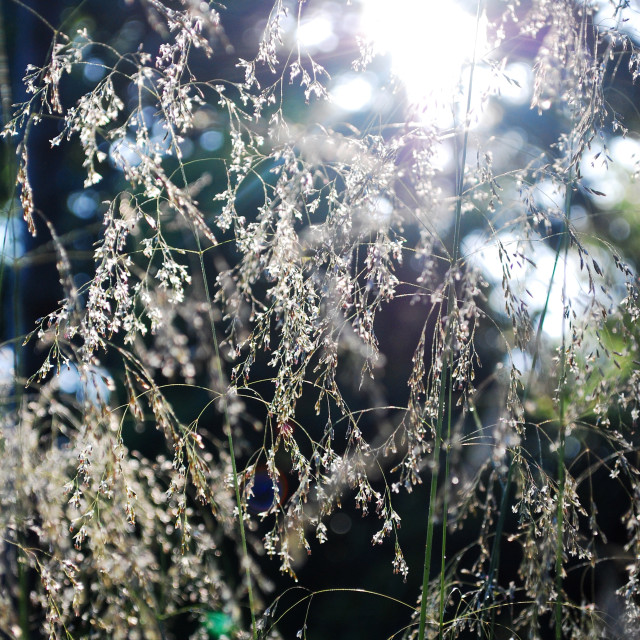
x: 312, y: 328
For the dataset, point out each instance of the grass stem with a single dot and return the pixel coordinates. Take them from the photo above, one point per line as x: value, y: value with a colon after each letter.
x: 562, y: 425
x: 445, y: 376
x: 229, y: 429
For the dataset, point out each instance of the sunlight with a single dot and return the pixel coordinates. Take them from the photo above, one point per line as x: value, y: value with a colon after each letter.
x: 531, y: 281
x: 429, y: 43
x: 352, y: 92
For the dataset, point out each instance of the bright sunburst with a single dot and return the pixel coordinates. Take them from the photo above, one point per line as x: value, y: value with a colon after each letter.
x: 429, y: 42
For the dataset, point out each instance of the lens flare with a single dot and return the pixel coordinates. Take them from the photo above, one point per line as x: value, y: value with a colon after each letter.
x: 429, y: 43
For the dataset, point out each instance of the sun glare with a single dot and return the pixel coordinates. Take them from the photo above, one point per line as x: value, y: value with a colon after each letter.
x: 429, y: 43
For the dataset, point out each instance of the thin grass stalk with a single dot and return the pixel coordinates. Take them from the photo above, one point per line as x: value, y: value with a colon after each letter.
x: 495, y: 554
x: 243, y: 537
x: 430, y: 518
x: 445, y: 506
x: 234, y: 469
x: 562, y: 426
x: 447, y: 367
x: 229, y: 430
